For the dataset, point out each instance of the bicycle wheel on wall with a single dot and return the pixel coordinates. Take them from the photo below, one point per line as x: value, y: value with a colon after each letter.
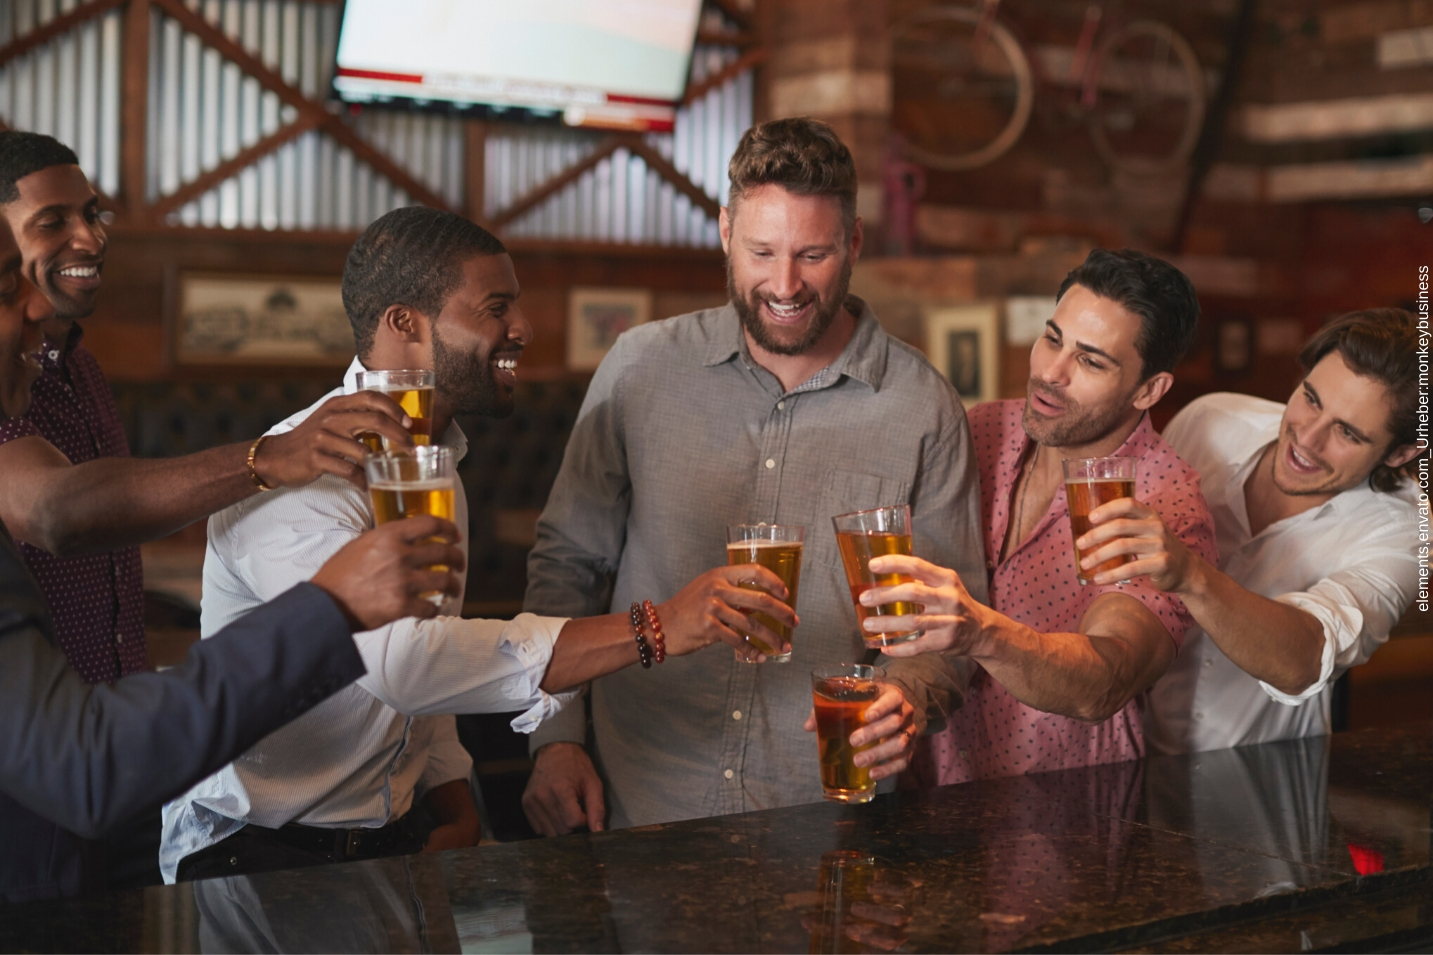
x: 958, y: 107
x: 1150, y: 99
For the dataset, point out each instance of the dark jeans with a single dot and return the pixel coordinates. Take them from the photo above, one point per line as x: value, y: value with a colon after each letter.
x: 256, y: 849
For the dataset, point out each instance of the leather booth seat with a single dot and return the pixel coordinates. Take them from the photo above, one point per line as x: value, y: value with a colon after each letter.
x: 507, y: 473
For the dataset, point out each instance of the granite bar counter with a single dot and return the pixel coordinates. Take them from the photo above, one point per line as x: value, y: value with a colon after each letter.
x: 1300, y: 846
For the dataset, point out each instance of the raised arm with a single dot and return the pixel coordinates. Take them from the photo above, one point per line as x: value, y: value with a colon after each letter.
x: 1120, y: 649
x: 106, y: 503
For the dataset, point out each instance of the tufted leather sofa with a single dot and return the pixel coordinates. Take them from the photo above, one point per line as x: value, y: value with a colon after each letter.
x: 508, y: 472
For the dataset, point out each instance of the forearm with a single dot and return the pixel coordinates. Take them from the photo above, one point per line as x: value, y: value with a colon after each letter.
x: 118, y: 502
x: 1088, y: 675
x: 589, y: 648
x: 453, y: 808
x: 1271, y: 641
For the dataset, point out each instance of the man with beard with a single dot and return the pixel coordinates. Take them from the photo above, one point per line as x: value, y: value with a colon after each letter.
x: 72, y: 495
x: 789, y: 405
x: 1316, y: 506
x: 1061, y: 670
x: 378, y: 770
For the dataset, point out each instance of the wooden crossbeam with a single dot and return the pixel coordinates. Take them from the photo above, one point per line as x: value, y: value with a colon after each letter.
x: 556, y: 184
x: 742, y: 63
x: 335, y: 127
x: 57, y: 26
x: 241, y: 160
x: 658, y: 163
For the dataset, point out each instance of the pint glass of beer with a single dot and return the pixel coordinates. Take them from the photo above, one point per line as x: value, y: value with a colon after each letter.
x: 777, y: 547
x: 876, y: 533
x: 841, y: 692
x: 1090, y: 482
x: 413, y: 390
x: 409, y: 483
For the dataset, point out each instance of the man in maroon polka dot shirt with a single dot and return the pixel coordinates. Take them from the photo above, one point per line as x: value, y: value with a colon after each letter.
x: 72, y: 495
x: 1060, y: 670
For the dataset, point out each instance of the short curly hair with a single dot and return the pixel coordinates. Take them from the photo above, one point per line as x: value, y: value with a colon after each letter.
x: 804, y: 156
x: 411, y: 256
x: 1382, y: 344
x: 23, y: 153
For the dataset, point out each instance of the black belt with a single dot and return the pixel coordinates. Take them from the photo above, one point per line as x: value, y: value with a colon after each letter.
x: 401, y: 837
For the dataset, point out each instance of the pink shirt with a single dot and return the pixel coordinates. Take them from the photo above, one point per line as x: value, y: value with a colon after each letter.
x: 994, y: 734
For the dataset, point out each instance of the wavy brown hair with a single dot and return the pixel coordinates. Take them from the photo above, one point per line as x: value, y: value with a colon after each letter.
x: 804, y: 156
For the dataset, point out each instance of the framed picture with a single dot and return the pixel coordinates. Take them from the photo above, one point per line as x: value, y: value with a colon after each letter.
x: 963, y: 342
x: 1234, y: 345
x: 596, y: 316
x: 1025, y: 317
x: 241, y: 319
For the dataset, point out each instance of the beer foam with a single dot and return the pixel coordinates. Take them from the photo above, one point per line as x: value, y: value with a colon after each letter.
x: 760, y: 545
x: 410, y: 487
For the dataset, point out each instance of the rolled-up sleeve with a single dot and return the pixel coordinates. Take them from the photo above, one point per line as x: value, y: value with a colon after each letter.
x: 1356, y: 608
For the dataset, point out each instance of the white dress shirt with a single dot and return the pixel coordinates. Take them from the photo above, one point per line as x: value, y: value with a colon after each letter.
x: 1350, y: 562
x: 360, y: 758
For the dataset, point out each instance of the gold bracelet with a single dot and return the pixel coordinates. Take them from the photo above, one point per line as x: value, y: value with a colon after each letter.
x: 253, y: 471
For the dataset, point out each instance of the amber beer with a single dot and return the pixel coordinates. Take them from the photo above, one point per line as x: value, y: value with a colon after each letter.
x: 1090, y: 482
x: 412, y: 389
x: 777, y: 547
x: 861, y: 536
x: 403, y: 484
x: 841, y: 694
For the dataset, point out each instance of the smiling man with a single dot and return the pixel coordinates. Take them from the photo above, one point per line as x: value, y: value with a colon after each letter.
x: 72, y: 495
x: 1316, y: 508
x: 789, y: 405
x: 378, y: 770
x: 1061, y: 670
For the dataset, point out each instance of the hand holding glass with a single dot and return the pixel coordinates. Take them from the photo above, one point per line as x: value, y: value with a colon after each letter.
x: 861, y: 536
x: 412, y: 389
x: 777, y: 547
x: 408, y: 483
x: 841, y: 693
x: 1090, y: 482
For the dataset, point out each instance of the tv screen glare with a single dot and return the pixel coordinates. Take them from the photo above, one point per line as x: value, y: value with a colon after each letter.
x: 610, y: 64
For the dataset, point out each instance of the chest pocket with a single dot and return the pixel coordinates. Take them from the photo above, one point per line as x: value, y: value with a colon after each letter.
x: 847, y: 491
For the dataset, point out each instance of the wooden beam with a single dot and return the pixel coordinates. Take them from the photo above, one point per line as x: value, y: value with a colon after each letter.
x: 725, y: 38
x: 475, y: 168
x: 134, y: 106
x: 329, y: 123
x: 57, y: 26
x: 748, y: 60
x: 732, y: 12
x: 1337, y: 118
x: 658, y: 163
x: 241, y: 160
x: 556, y: 184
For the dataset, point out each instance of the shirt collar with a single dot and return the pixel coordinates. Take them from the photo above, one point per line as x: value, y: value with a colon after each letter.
x: 864, y: 357
x: 453, y: 437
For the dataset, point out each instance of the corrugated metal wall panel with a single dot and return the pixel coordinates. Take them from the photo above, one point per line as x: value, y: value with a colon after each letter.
x: 203, y: 110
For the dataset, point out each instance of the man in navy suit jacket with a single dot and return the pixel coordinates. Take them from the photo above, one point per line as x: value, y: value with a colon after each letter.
x: 75, y: 758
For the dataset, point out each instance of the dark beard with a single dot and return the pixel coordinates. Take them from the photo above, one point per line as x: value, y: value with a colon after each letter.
x: 749, y: 310
x: 466, y: 382
x: 1078, y: 429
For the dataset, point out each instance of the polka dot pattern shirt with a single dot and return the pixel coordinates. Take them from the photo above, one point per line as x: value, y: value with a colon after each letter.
x: 994, y: 734
x: 97, y: 599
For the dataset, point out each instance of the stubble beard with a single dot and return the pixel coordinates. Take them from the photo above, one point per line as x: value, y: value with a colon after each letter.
x: 1080, y: 427
x: 466, y: 382
x: 748, y: 309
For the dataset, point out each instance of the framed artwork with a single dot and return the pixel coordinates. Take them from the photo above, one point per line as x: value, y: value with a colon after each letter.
x: 1025, y: 317
x: 1234, y: 345
x: 596, y: 316
x: 244, y: 319
x: 963, y: 342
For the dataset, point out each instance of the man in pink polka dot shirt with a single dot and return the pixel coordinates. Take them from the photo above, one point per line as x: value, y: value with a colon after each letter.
x: 1059, y: 671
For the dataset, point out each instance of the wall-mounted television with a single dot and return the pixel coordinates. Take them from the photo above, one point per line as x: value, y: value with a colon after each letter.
x: 612, y: 64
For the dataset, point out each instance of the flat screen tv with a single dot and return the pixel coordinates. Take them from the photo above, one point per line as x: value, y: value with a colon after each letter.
x: 613, y: 64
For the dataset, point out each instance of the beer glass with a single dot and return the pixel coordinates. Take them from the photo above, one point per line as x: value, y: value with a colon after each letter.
x: 413, y: 390
x: 777, y: 547
x: 878, y: 532
x: 405, y: 484
x: 841, y: 692
x: 1090, y: 482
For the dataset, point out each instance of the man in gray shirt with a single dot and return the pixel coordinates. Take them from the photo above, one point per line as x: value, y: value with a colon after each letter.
x: 789, y: 405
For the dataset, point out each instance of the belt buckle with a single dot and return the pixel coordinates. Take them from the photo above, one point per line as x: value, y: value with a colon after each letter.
x: 353, y: 844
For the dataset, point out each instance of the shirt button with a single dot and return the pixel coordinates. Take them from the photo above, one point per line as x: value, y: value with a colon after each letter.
x: 728, y: 774
x: 1209, y: 662
x: 770, y: 463
x: 781, y: 406
x: 1199, y: 716
x: 54, y: 355
x: 736, y: 714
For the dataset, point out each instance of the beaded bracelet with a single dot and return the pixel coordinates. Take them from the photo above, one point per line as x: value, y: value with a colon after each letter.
x: 660, y: 641
x: 644, y: 652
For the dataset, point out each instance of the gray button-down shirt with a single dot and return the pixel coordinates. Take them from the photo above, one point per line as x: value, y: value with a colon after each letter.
x: 681, y: 434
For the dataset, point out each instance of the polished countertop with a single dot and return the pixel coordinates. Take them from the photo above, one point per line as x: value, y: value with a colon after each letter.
x: 1296, y: 846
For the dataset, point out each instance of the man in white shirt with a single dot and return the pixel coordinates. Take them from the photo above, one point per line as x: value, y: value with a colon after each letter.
x: 423, y: 289
x: 1317, y: 520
